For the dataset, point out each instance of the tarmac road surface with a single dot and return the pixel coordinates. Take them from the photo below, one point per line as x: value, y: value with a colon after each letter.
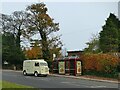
x: 52, y: 81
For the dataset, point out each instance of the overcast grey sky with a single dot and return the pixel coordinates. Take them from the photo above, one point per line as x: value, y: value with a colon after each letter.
x: 78, y: 20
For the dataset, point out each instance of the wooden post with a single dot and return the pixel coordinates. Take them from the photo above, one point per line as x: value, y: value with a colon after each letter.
x: 75, y: 67
x: 69, y: 66
x: 52, y: 66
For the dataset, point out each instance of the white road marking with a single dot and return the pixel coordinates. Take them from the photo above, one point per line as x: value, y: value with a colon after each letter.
x: 27, y: 77
x: 98, y: 86
x: 75, y: 84
x: 45, y: 79
x: 67, y: 82
x: 88, y: 86
x: 38, y: 78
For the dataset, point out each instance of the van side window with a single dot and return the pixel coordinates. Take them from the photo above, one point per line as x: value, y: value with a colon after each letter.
x: 36, y: 64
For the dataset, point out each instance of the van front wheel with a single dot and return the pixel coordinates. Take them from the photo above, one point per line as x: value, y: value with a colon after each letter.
x: 36, y: 74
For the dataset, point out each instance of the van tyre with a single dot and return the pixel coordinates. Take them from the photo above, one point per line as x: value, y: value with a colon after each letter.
x: 24, y: 73
x: 36, y: 74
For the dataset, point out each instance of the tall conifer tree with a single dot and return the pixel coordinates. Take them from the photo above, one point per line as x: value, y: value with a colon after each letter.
x: 109, y: 36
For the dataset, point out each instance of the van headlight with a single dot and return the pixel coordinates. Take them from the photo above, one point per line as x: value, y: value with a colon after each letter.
x: 46, y: 69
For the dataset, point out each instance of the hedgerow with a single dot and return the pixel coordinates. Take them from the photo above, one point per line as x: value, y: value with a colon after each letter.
x: 105, y: 63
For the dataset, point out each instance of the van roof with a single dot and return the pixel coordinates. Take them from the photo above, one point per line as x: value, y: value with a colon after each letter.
x: 38, y: 60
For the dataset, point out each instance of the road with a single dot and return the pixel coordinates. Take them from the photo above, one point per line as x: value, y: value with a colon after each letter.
x: 52, y: 81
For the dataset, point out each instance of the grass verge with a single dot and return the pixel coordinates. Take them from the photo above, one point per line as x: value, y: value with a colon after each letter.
x: 6, y: 84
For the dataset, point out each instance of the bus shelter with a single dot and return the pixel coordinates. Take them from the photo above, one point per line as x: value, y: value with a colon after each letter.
x: 67, y: 65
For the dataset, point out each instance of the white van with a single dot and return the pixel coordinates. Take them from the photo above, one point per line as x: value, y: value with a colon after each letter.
x: 36, y: 67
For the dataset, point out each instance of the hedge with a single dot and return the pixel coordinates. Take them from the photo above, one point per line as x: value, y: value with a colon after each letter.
x: 105, y: 63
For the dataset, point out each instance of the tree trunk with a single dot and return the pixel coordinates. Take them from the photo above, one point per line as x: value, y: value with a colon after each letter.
x: 18, y: 39
x: 45, y: 49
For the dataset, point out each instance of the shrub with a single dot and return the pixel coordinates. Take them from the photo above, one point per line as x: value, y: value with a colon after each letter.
x: 100, y: 63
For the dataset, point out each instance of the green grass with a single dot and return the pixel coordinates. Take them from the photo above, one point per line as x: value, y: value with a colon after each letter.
x: 6, y: 84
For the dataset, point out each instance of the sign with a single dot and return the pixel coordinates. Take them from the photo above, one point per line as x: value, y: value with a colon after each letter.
x: 79, y: 67
x: 54, y: 55
x: 61, y: 67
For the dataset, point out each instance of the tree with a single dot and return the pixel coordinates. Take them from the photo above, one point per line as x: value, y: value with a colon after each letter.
x: 119, y: 35
x: 10, y: 52
x: 93, y: 45
x: 15, y: 24
x: 13, y: 27
x: 109, y: 36
x: 40, y: 22
x: 35, y: 52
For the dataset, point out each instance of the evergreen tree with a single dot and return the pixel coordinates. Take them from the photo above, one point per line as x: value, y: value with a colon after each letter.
x: 119, y: 35
x: 10, y: 51
x: 109, y: 36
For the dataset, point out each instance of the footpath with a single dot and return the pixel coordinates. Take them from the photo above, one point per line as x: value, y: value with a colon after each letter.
x: 88, y: 77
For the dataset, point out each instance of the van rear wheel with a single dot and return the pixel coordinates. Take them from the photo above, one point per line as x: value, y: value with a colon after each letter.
x: 24, y: 73
x: 36, y: 74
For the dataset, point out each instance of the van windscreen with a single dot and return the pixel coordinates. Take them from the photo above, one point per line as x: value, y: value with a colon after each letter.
x: 43, y: 64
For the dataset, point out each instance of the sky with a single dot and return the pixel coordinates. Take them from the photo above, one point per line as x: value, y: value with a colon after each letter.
x: 78, y: 20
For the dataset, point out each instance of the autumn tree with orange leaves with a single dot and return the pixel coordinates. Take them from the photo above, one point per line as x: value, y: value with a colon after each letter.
x: 41, y: 23
x: 35, y: 52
